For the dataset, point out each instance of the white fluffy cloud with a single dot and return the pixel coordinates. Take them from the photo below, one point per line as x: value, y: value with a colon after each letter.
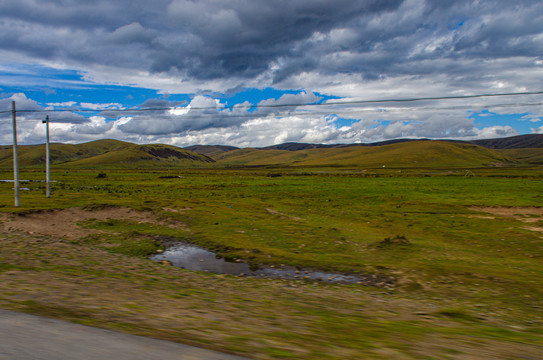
x: 351, y: 49
x: 205, y: 120
x: 538, y: 130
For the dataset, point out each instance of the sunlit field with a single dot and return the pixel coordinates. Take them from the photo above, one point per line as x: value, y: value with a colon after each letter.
x: 461, y: 251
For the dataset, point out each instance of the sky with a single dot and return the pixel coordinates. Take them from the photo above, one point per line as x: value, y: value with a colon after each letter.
x: 253, y: 73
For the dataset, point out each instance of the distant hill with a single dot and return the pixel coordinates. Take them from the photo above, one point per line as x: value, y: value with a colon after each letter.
x: 109, y: 153
x: 210, y: 150
x: 423, y: 154
x: 292, y: 146
x: 398, y: 153
x: 514, y: 142
x: 526, y: 149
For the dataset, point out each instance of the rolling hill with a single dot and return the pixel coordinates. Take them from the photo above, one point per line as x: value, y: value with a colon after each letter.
x: 105, y: 153
x: 399, y: 153
x: 422, y: 154
x: 210, y: 150
x: 532, y: 141
x: 532, y: 156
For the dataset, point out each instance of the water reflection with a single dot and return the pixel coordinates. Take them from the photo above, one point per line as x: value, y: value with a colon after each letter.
x: 191, y: 257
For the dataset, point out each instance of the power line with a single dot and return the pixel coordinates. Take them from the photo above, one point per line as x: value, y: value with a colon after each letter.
x: 332, y: 103
x: 336, y: 112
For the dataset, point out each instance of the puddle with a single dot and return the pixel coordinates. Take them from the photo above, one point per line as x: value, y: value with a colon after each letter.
x: 195, y: 258
x: 192, y: 257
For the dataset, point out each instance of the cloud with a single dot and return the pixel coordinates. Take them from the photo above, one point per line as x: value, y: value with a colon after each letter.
x: 353, y: 49
x: 206, y: 120
x: 131, y: 33
x: 108, y: 106
x: 538, y: 130
x: 192, y: 47
x: 63, y: 104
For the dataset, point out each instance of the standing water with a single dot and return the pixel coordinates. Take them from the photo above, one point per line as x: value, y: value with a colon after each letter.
x: 192, y: 257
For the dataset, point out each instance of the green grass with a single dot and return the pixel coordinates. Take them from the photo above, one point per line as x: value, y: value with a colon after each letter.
x: 327, y: 221
x: 476, y: 276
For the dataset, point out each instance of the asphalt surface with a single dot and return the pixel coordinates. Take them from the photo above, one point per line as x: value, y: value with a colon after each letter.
x: 29, y: 337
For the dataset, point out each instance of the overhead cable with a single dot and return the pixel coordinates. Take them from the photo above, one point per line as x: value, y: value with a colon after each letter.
x: 331, y: 103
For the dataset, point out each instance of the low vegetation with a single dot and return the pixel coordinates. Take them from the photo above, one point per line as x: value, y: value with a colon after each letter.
x: 463, y: 246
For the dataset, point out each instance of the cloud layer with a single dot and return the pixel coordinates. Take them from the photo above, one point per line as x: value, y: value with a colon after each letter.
x: 217, y: 44
x: 206, y: 120
x: 353, y: 49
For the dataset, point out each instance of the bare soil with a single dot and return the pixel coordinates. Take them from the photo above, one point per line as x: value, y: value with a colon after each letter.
x: 64, y: 223
x: 517, y: 212
x: 526, y: 214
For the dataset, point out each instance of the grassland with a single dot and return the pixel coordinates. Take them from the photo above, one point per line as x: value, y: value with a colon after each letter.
x: 467, y: 286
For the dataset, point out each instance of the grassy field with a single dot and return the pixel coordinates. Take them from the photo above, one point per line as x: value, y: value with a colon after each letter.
x: 467, y: 277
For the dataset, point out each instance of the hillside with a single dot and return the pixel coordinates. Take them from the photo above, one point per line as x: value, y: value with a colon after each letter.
x: 399, y: 153
x: 425, y: 154
x: 514, y: 142
x: 532, y: 156
x: 292, y: 146
x: 210, y: 150
x: 104, y: 153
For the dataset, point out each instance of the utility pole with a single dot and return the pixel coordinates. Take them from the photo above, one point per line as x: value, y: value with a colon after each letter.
x: 15, y: 156
x: 47, y: 158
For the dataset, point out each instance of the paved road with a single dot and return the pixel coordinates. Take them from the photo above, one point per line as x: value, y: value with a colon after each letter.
x: 28, y: 337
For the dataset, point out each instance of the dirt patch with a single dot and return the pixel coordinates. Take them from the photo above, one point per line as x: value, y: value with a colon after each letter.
x: 63, y: 223
x: 179, y: 210
x: 520, y: 212
x: 528, y: 214
x: 534, y: 228
x: 278, y: 213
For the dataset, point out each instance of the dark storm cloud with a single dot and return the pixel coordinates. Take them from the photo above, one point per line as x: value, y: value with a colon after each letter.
x: 244, y: 39
x: 204, y: 39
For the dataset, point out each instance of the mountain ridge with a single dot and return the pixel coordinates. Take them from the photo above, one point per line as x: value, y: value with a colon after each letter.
x: 514, y: 142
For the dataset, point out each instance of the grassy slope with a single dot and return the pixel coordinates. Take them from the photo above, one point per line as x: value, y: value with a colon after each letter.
x: 60, y: 153
x: 104, y: 153
x: 527, y: 155
x: 210, y: 150
x: 421, y: 154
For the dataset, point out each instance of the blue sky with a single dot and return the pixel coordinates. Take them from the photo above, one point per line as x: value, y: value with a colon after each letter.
x: 222, y: 72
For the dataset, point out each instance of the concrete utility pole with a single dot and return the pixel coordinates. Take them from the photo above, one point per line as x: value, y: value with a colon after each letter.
x: 47, y: 158
x: 15, y: 156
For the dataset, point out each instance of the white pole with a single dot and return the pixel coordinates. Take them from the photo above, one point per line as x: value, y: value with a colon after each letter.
x: 15, y: 156
x: 47, y: 158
